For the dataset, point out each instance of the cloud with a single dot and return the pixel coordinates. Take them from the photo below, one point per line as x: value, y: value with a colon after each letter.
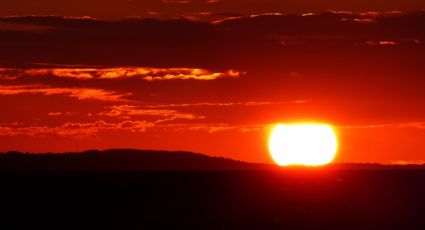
x: 87, y: 129
x: 153, y: 13
x: 207, y: 127
x: 54, y: 114
x: 364, y: 20
x: 368, y: 126
x: 407, y: 162
x: 127, y: 111
x: 212, y: 127
x: 241, y: 17
x: 9, y: 73
x: 144, y: 73
x: 222, y: 104
x: 214, y: 1
x: 71, y: 129
x: 381, y: 14
x: 217, y: 44
x: 415, y: 125
x: 176, y: 1
x: 79, y: 93
x: 382, y: 43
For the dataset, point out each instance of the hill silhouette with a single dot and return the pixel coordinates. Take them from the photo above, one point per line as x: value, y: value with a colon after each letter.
x: 138, y: 160
x: 140, y: 189
x: 121, y: 159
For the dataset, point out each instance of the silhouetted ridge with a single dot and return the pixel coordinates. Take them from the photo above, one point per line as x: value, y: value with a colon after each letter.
x: 134, y: 160
x: 120, y: 159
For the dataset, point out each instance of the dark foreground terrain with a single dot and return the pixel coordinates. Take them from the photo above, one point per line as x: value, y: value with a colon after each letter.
x: 214, y: 199
x: 344, y: 199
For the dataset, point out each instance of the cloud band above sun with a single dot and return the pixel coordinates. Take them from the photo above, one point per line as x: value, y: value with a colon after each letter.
x: 143, y: 73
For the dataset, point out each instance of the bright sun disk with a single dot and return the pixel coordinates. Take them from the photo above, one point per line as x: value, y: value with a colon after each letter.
x: 303, y: 144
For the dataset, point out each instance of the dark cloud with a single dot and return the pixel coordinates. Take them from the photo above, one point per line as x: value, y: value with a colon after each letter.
x: 176, y: 1
x: 185, y: 43
x: 78, y: 93
x: 175, y: 8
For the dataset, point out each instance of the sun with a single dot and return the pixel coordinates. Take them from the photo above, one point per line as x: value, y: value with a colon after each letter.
x: 303, y: 144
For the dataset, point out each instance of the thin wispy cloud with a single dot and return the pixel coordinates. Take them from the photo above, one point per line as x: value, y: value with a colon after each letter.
x: 78, y: 93
x: 227, y: 104
x: 127, y: 111
x: 75, y: 129
x: 143, y: 73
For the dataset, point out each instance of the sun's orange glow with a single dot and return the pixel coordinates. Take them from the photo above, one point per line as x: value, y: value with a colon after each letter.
x: 186, y: 75
x: 303, y: 144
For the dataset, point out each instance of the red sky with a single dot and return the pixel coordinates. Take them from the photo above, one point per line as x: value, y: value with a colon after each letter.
x: 212, y: 77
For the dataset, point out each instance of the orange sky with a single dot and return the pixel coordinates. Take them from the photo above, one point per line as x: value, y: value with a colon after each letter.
x: 208, y: 78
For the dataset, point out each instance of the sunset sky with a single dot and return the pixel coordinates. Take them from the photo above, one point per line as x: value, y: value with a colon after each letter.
x: 212, y: 76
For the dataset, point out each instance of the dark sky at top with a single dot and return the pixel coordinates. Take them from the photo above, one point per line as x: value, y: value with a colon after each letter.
x: 113, y: 9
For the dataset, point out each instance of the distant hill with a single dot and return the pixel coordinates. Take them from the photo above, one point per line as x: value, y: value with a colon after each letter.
x: 138, y: 160
x: 367, y: 166
x: 120, y: 159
